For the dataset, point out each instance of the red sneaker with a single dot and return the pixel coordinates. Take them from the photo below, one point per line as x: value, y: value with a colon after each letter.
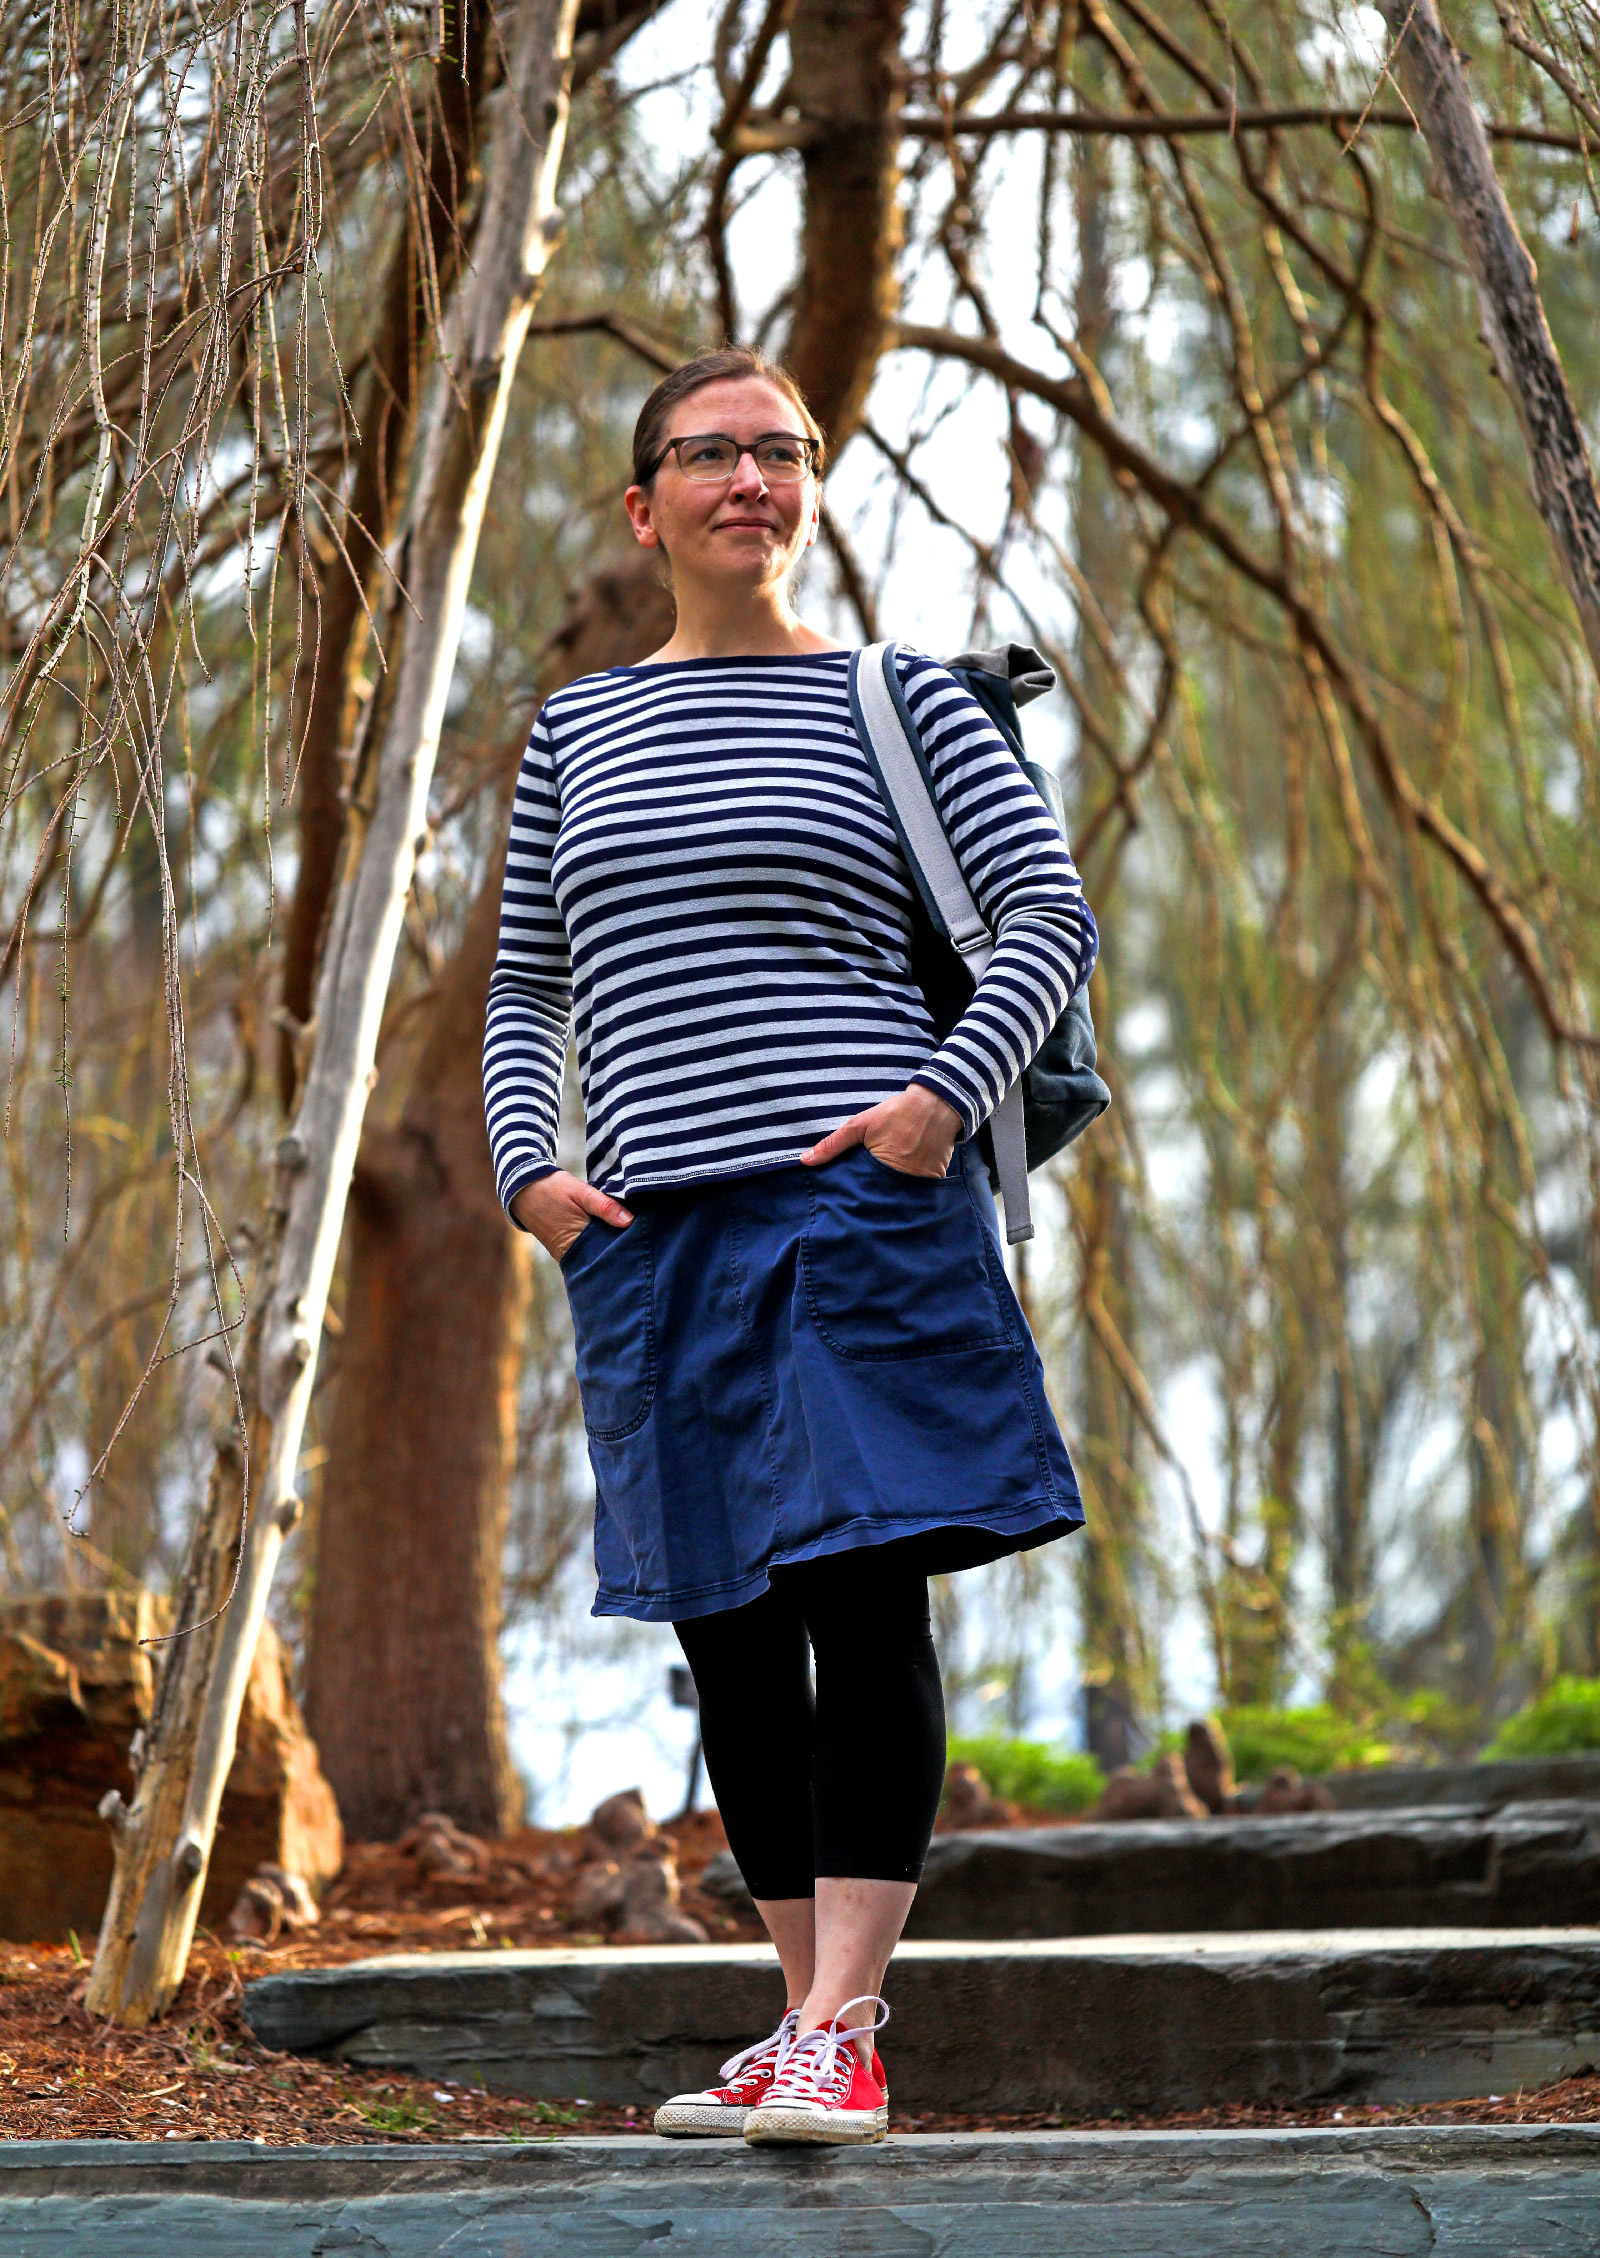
x: 724, y: 2108
x: 822, y: 2092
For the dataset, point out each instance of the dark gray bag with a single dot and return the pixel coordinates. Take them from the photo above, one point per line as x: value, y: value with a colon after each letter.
x: 1060, y: 1093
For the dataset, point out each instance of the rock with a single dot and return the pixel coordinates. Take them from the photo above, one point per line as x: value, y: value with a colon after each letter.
x: 299, y: 1906
x: 636, y: 1901
x: 76, y: 1687
x: 1287, y: 1791
x: 278, y: 1808
x: 1160, y: 1793
x: 270, y: 1901
x: 439, y: 1846
x: 622, y: 1821
x: 1208, y: 1764
x: 969, y: 1803
x: 257, y: 1915
x: 598, y: 1894
x: 661, y: 1924
x: 650, y: 1909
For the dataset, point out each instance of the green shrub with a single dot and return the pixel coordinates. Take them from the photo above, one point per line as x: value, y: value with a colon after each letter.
x: 1026, y: 1772
x: 1313, y: 1740
x: 1564, y: 1721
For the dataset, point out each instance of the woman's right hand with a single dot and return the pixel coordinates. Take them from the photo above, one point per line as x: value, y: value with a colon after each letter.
x: 556, y: 1208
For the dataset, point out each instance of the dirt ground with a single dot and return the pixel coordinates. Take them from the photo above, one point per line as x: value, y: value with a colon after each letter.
x: 200, y: 2075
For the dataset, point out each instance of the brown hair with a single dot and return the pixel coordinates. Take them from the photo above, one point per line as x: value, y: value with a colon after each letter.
x: 649, y: 433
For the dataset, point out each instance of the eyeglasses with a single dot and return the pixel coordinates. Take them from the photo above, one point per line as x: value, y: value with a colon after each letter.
x: 708, y: 457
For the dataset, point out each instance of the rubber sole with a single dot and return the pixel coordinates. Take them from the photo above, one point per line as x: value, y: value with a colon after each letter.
x: 816, y: 2128
x: 699, y: 2120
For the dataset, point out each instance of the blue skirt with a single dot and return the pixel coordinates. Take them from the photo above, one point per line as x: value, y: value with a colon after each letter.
x: 801, y: 1362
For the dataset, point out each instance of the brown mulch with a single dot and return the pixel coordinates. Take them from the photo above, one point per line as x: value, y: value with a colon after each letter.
x: 201, y: 2075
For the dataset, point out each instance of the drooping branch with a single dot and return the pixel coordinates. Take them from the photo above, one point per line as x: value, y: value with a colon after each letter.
x: 761, y: 137
x: 1434, y: 79
x: 1187, y: 507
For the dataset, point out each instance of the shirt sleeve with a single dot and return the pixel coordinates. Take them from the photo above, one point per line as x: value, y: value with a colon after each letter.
x: 530, y: 990
x: 1025, y: 883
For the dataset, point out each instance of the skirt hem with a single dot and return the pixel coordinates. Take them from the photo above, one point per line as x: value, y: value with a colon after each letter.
x: 970, y: 1540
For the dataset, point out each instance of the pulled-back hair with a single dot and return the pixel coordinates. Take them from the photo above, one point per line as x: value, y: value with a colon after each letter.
x: 732, y: 361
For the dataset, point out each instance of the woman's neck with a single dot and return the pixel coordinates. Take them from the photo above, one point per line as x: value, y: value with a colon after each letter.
x: 724, y: 623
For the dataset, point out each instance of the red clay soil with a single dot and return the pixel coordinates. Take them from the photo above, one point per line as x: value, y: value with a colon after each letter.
x: 200, y: 2075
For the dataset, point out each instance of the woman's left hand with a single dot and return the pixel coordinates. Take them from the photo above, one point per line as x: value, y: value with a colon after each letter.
x: 914, y: 1133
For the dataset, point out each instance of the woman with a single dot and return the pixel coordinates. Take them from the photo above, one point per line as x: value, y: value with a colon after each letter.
x: 806, y: 1382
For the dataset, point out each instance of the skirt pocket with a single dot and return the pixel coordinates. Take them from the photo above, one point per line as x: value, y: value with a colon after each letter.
x: 609, y: 1275
x: 897, y: 1266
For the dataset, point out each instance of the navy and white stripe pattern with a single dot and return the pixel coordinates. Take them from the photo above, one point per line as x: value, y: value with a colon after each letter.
x: 702, y: 877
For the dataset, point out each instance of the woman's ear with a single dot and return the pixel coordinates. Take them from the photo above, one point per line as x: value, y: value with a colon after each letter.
x: 636, y: 502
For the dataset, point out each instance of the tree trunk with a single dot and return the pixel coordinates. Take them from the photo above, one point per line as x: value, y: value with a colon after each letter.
x: 846, y: 80
x: 1116, y: 1658
x: 1434, y: 81
x: 165, y: 1841
x: 403, y: 1691
x: 325, y: 696
x: 403, y: 1696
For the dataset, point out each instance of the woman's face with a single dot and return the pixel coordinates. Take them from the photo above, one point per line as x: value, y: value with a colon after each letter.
x: 739, y: 529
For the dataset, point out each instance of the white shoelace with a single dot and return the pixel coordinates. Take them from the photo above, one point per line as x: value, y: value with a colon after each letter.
x: 815, y: 2068
x: 753, y: 2057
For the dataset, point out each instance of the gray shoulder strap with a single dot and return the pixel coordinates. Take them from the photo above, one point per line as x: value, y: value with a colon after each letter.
x: 903, y: 780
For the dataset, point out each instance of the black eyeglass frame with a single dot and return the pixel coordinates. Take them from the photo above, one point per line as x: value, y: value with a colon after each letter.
x: 743, y: 446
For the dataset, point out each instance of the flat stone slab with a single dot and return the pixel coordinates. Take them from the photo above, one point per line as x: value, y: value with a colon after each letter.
x: 1531, y: 1865
x: 1089, y: 2027
x: 1452, y: 2192
x: 1472, y: 1787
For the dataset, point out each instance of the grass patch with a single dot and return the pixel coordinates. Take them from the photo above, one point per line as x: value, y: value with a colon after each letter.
x: 403, y: 2116
x: 1563, y: 1721
x: 1314, y: 1739
x: 1029, y: 1773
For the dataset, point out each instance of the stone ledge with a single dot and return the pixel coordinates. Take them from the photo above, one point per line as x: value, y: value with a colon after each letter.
x: 1531, y: 1865
x: 1451, y: 2191
x: 1470, y: 1787
x: 1140, y: 2025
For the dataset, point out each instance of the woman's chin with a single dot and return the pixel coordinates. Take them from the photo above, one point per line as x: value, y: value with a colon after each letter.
x: 749, y: 565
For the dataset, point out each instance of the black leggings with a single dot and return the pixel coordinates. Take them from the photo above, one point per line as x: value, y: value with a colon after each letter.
x: 846, y: 1782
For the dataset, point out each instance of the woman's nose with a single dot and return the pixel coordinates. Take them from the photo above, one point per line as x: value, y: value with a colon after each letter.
x: 747, y: 480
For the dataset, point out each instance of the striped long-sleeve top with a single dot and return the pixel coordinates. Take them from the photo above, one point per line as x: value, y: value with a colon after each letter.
x: 703, y: 879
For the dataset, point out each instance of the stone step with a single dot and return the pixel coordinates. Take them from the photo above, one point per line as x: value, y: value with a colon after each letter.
x: 1089, y: 2027
x: 1531, y: 1865
x: 1470, y: 1787
x: 1459, y: 2191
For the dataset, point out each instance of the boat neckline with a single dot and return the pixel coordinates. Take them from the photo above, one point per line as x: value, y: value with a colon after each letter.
x: 732, y: 658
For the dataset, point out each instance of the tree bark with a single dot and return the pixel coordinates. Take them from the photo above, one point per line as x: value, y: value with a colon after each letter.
x: 164, y: 1842
x: 403, y: 1689
x: 325, y: 696
x: 1110, y: 1561
x: 847, y: 83
x: 1434, y: 81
